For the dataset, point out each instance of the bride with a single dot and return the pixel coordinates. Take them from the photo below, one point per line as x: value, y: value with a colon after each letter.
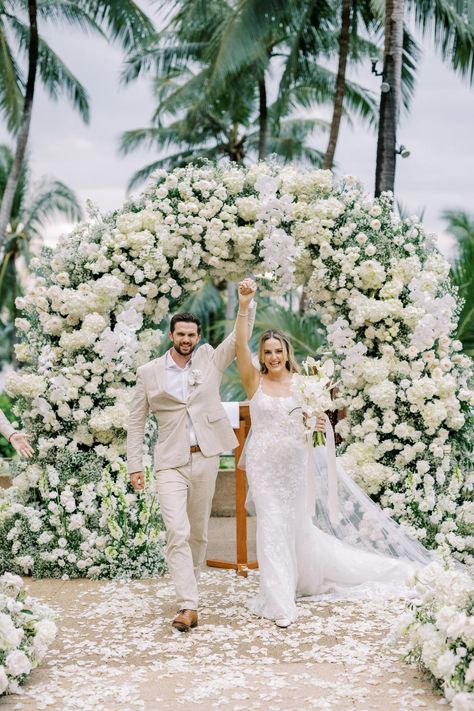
x: 302, y: 549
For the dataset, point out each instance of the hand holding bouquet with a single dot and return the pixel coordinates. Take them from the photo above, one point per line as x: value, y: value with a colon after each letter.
x: 313, y: 389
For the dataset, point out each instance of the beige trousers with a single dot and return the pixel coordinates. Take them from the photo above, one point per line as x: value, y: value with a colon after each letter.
x: 185, y: 496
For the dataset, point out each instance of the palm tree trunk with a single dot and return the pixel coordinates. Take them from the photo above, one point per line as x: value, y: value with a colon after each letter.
x: 390, y: 101
x: 263, y: 118
x: 14, y: 310
x: 340, y: 83
x: 23, y: 132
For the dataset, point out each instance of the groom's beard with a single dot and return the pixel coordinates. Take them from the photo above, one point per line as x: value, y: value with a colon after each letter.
x: 184, y: 351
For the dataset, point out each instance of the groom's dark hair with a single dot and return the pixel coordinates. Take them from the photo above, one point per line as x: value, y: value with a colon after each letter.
x: 185, y: 316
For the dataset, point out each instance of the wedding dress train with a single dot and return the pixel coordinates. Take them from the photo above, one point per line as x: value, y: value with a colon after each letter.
x: 302, y: 548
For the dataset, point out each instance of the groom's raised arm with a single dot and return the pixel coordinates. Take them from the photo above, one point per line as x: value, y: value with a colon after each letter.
x: 224, y: 354
x: 136, y: 426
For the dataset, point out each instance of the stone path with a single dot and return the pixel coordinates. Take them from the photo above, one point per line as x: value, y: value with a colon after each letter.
x: 116, y: 652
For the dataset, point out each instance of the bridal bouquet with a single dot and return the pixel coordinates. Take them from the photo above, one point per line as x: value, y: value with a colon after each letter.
x: 313, y: 389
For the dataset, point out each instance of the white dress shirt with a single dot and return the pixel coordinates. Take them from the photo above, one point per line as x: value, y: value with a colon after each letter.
x: 177, y: 384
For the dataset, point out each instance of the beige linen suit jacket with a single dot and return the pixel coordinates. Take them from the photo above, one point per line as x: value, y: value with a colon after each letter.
x: 211, y: 425
x: 6, y: 428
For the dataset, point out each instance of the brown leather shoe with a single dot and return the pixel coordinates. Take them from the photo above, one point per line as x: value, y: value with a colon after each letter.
x: 185, y: 619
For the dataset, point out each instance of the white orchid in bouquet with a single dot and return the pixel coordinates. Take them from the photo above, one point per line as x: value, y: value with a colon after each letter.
x: 313, y: 389
x: 439, y: 626
x: 93, y: 315
x: 27, y: 628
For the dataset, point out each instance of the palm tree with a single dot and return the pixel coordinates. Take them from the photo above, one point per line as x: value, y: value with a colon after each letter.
x: 390, y: 100
x: 301, y: 34
x: 453, y: 30
x: 303, y: 31
x: 33, y: 205
x: 25, y: 121
x: 205, y: 118
x: 346, y: 9
x: 120, y: 20
x: 461, y: 226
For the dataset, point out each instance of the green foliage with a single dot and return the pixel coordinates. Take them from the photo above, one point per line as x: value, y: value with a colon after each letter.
x: 304, y: 330
x: 121, y: 21
x: 461, y: 226
x: 212, y: 59
x: 6, y: 450
x: 201, y: 115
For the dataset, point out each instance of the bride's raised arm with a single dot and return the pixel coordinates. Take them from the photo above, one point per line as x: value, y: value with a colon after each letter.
x: 247, y: 371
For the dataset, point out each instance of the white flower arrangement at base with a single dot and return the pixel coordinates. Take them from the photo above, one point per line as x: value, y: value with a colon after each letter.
x: 93, y: 315
x: 27, y: 629
x: 439, y: 625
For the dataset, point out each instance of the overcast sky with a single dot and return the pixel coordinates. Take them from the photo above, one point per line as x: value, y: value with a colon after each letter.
x: 438, y: 132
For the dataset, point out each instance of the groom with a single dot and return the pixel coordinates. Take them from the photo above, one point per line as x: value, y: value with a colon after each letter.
x: 182, y: 390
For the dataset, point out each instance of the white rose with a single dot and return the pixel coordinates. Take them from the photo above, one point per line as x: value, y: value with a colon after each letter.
x: 10, y: 636
x: 46, y: 631
x: 248, y: 208
x: 3, y: 680
x: 17, y: 663
x: 463, y: 701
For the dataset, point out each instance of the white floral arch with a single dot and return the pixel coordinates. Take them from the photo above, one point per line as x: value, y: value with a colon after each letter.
x: 377, y: 282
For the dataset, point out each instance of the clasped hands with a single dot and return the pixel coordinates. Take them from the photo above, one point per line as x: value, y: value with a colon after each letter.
x: 247, y: 289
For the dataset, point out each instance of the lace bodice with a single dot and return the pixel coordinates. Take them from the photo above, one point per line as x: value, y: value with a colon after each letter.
x: 274, y: 416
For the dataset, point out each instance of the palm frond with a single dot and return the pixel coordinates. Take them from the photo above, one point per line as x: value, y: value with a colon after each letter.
x: 319, y: 87
x: 451, y: 23
x: 123, y: 21
x: 244, y: 36
x: 160, y: 60
x: 6, y: 161
x: 462, y: 275
x: 461, y: 225
x: 11, y: 85
x: 290, y: 141
x: 49, y: 197
x: 68, y: 12
x: 56, y: 78
x: 176, y: 160
x: 410, y: 58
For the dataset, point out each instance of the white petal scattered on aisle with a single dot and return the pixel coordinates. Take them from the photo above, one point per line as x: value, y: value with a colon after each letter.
x: 116, y: 650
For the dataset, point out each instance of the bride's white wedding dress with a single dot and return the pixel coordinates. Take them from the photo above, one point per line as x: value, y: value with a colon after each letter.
x: 301, y: 550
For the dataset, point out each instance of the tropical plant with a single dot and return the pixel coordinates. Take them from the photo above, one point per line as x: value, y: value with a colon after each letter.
x: 206, y: 117
x: 120, y: 20
x: 461, y: 226
x: 453, y: 29
x: 304, y: 330
x: 304, y: 31
x: 33, y: 204
x: 6, y: 450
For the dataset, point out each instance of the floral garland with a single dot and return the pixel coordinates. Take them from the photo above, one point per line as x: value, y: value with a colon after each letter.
x: 27, y: 629
x: 440, y: 629
x: 91, y: 318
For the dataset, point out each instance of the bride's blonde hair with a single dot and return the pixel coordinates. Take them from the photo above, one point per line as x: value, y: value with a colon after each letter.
x: 290, y: 361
